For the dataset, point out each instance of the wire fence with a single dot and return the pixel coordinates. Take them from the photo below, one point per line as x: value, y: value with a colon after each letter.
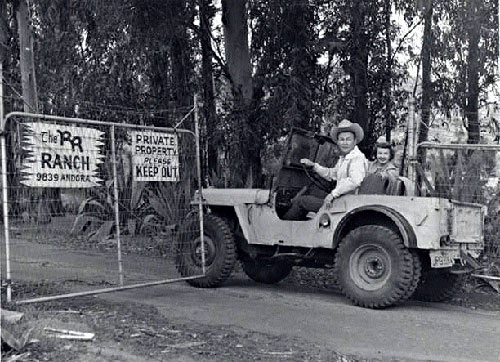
x: 463, y: 163
x: 93, y: 206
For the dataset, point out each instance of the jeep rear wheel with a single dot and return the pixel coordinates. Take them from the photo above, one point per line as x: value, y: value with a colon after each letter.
x: 438, y: 285
x: 267, y: 273
x: 374, y: 268
x: 219, y: 250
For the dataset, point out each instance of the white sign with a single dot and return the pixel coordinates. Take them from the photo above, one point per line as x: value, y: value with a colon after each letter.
x: 155, y: 156
x: 61, y: 156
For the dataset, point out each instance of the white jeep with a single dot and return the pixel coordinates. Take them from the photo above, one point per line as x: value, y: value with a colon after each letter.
x: 384, y: 248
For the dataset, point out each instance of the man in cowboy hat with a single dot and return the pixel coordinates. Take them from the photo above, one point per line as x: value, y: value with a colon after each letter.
x: 349, y: 171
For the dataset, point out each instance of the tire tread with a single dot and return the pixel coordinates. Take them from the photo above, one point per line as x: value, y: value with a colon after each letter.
x: 405, y: 282
x: 215, y: 278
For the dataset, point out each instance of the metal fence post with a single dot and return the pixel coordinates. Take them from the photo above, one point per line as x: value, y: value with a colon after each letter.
x: 198, y: 170
x: 115, y: 203
x: 5, y: 205
x: 5, y: 210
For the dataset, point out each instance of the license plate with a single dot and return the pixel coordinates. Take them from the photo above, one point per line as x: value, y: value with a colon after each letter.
x: 442, y: 259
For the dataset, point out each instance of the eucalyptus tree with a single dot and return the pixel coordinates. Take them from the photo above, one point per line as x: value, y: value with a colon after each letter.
x: 368, y: 43
x: 274, y: 79
x: 468, y: 57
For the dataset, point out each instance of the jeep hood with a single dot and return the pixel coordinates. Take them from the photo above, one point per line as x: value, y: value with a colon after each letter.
x: 231, y: 197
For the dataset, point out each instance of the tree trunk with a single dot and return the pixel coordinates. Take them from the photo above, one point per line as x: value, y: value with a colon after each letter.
x: 181, y: 63
x: 43, y: 202
x: 246, y: 142
x: 234, y: 15
x: 4, y: 32
x: 388, y: 73
x: 427, y: 90
x: 471, y: 108
x: 26, y: 56
x: 208, y: 110
x: 359, y: 67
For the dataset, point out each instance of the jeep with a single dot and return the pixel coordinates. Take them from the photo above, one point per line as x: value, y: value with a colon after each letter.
x: 384, y: 247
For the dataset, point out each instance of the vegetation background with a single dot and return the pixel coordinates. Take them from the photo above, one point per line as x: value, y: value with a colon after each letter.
x: 261, y: 67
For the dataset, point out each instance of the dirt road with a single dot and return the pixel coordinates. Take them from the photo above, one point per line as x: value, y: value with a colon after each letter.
x: 413, y: 331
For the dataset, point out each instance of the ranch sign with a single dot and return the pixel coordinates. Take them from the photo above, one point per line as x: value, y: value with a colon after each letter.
x: 61, y: 156
x: 155, y: 156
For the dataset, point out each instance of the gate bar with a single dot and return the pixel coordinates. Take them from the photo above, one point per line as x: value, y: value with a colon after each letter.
x: 459, y: 146
x: 90, y: 121
x: 105, y: 290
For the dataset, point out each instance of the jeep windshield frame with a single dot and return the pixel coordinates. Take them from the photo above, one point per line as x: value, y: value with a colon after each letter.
x: 293, y: 177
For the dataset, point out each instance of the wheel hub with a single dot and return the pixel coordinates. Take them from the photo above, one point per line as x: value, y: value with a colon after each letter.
x: 374, y: 267
x: 209, y: 248
x: 370, y: 267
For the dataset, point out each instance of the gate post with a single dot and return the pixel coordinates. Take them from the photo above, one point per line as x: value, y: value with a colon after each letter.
x: 5, y: 205
x: 198, y: 170
x: 115, y: 203
x: 5, y: 210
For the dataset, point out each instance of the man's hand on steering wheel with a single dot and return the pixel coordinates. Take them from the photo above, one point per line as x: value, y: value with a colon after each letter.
x: 306, y: 162
x: 317, y: 180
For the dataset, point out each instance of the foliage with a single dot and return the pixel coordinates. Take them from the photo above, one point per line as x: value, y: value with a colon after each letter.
x: 169, y: 203
x: 140, y: 61
x: 492, y: 231
x: 453, y: 43
x: 96, y: 214
x: 462, y: 176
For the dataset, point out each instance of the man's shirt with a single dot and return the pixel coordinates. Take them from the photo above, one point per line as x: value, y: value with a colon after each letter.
x: 349, y: 172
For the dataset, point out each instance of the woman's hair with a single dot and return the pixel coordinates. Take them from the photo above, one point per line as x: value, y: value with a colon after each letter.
x: 386, y: 146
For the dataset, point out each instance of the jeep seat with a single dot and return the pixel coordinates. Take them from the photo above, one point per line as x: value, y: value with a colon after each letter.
x: 395, y: 187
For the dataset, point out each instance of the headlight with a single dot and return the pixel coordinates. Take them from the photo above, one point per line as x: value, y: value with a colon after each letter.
x: 324, y: 221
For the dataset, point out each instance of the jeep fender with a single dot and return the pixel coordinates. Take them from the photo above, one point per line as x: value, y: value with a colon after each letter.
x: 380, y: 215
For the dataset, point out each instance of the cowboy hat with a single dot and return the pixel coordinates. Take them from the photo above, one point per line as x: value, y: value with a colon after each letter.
x: 347, y: 126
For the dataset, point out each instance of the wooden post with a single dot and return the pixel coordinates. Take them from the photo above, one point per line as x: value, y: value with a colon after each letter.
x: 411, y: 141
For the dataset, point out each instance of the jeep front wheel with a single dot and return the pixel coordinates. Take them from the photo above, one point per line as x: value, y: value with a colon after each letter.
x: 219, y: 251
x: 374, y: 268
x: 267, y: 273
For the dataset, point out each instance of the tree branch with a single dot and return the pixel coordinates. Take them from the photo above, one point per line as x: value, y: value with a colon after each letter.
x: 403, y: 38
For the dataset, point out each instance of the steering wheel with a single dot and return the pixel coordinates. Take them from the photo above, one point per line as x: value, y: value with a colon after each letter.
x: 320, y: 182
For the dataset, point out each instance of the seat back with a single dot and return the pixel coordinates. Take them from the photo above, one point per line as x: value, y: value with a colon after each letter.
x: 374, y: 184
x: 396, y: 187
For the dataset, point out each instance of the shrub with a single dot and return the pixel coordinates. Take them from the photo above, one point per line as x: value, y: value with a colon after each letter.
x: 96, y: 214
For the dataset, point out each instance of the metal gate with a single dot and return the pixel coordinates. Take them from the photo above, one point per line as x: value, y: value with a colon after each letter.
x: 92, y: 207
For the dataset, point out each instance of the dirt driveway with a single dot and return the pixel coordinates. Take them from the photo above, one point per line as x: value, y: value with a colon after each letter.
x: 298, y: 320
x: 420, y: 331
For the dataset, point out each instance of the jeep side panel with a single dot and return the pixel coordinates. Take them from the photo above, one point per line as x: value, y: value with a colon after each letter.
x: 423, y: 218
x: 426, y: 218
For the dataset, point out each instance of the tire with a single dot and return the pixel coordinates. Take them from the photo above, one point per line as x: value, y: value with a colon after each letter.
x: 438, y: 285
x: 374, y: 268
x: 220, y: 251
x: 270, y: 273
x: 417, y: 274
